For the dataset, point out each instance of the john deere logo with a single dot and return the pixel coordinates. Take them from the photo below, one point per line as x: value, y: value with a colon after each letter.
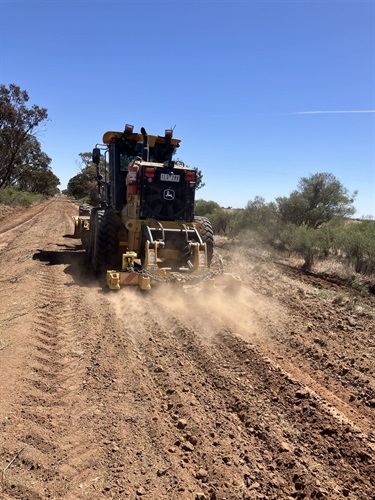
x: 169, y: 194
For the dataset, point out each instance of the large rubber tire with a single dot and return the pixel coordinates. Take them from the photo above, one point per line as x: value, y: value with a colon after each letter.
x: 207, y: 237
x: 90, y: 246
x: 103, y: 247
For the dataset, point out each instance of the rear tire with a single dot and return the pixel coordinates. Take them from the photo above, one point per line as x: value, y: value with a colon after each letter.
x: 103, y: 240
x: 207, y: 236
x: 90, y: 246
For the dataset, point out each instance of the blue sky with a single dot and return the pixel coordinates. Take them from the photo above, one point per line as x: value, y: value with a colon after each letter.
x: 261, y: 93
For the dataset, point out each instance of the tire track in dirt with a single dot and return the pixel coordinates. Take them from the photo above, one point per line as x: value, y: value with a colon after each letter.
x: 9, y: 240
x: 209, y: 445
x: 137, y: 441
x: 57, y: 450
x: 183, y: 362
x: 252, y: 319
x: 19, y: 220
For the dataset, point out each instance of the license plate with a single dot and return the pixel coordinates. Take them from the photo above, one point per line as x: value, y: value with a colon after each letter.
x: 170, y: 177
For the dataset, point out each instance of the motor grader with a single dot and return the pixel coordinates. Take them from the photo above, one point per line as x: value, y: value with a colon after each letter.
x: 144, y: 230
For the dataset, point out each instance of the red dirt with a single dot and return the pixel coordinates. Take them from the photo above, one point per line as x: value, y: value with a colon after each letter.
x: 268, y: 394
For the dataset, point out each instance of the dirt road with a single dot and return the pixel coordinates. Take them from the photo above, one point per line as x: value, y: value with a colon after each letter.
x: 266, y: 395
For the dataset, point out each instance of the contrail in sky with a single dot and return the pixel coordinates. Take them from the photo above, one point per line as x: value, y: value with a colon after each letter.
x: 333, y: 112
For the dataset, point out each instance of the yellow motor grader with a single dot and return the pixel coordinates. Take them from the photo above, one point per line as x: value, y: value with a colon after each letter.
x: 144, y: 229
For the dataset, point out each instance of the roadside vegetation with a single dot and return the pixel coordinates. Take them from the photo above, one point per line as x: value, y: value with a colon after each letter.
x: 13, y: 197
x: 25, y: 172
x: 313, y: 224
x: 83, y: 186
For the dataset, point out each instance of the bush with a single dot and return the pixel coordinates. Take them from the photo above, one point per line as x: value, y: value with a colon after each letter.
x: 309, y: 243
x: 220, y: 218
x: 356, y: 240
x: 205, y: 208
x: 258, y: 217
x: 15, y: 198
x: 260, y: 223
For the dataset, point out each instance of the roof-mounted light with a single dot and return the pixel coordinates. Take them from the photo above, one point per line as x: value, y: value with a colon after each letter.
x: 128, y: 129
x: 169, y: 134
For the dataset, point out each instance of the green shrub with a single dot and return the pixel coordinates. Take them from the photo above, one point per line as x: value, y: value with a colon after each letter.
x: 307, y: 242
x: 206, y: 208
x: 356, y: 240
x: 220, y: 218
x: 258, y: 217
x: 13, y: 197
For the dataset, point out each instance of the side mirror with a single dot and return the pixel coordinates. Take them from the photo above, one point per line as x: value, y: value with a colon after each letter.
x: 96, y: 156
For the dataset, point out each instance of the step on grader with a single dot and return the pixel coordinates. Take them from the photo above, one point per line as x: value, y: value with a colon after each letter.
x: 144, y: 230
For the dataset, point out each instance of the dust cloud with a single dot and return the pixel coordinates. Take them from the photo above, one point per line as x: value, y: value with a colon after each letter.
x: 205, y: 310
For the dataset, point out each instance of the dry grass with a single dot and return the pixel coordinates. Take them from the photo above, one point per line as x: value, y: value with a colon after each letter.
x: 335, y: 267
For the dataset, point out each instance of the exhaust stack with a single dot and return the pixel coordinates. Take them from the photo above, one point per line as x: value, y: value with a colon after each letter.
x: 145, y: 147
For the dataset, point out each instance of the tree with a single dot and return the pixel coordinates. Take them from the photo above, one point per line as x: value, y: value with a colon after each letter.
x: 220, y: 218
x: 18, y: 124
x: 306, y: 241
x: 318, y: 199
x: 357, y: 242
x: 260, y: 215
x: 43, y: 181
x: 86, y: 160
x: 258, y: 221
x: 34, y: 173
x: 206, y: 208
x: 199, y: 182
x: 83, y: 186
